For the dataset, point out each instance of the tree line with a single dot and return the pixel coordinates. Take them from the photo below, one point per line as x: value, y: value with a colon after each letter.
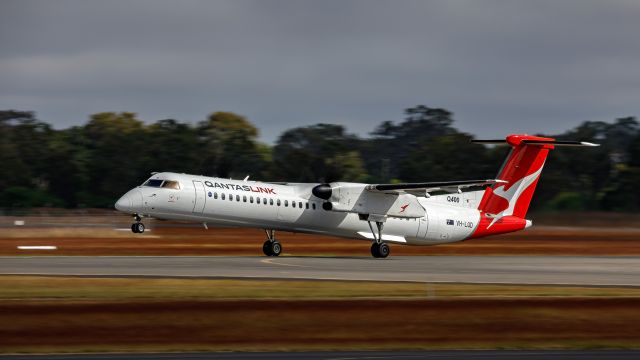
x: 93, y: 164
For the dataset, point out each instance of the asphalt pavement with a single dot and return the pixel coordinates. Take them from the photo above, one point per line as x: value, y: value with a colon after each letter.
x: 557, y: 270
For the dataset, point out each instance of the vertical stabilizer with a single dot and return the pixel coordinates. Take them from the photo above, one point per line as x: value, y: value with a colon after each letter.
x: 504, y: 206
x: 521, y: 171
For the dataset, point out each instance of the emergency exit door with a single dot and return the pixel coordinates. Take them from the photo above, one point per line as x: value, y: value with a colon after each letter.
x: 200, y: 198
x: 423, y: 226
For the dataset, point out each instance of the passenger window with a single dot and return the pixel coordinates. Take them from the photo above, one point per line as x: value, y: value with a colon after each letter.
x: 306, y: 205
x: 230, y: 197
x: 153, y: 183
x: 300, y: 204
x: 170, y: 184
x: 244, y: 198
x: 237, y: 197
x: 293, y: 204
x: 215, y: 195
x: 286, y: 203
x: 314, y: 206
x: 222, y: 196
x: 265, y: 200
x: 251, y: 200
x: 278, y: 202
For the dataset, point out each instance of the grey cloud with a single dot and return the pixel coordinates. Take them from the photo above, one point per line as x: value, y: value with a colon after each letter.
x: 501, y: 66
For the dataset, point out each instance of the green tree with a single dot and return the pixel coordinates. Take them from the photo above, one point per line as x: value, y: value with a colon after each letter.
x: 24, y: 156
x: 447, y: 157
x: 623, y: 194
x: 66, y: 165
x: 230, y: 146
x: 318, y: 153
x: 393, y: 143
x: 116, y: 156
x: 14, y: 170
x: 173, y: 146
x: 586, y: 173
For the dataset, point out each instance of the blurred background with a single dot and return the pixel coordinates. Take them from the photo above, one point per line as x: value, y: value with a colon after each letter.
x: 96, y: 95
x: 91, y: 165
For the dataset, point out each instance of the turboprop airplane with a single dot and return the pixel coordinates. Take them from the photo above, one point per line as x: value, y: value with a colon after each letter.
x: 426, y: 213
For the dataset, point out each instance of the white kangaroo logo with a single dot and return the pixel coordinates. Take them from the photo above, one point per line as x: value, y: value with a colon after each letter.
x: 513, y: 194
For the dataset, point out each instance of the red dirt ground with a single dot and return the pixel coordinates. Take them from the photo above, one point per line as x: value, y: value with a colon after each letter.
x: 229, y: 241
x: 327, y: 324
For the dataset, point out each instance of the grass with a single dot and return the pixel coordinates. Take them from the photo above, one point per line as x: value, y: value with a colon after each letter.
x: 83, y: 288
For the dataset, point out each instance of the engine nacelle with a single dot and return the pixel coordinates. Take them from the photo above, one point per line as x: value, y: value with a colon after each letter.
x: 323, y: 191
x: 354, y: 198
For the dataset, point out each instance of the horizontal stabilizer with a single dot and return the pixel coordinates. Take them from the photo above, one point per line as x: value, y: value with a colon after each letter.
x: 559, y: 143
x: 496, y: 142
x: 539, y: 142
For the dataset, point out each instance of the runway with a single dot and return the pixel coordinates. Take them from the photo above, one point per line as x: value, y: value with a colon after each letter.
x: 556, y: 270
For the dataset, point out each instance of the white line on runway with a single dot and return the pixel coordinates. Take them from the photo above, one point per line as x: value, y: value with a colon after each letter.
x: 46, y: 247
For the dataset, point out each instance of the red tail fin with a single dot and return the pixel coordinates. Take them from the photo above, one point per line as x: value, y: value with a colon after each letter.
x: 521, y: 170
x: 504, y: 206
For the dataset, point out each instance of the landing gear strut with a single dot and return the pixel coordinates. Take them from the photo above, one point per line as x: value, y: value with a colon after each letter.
x: 137, y: 227
x: 271, y: 247
x: 378, y: 248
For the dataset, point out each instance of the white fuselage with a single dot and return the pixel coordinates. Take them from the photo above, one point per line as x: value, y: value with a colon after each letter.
x: 292, y: 207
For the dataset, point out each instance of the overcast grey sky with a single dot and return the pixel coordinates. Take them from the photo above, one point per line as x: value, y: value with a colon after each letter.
x: 500, y: 66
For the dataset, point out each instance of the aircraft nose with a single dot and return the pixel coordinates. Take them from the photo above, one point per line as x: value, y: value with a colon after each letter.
x: 124, y: 203
x: 131, y: 202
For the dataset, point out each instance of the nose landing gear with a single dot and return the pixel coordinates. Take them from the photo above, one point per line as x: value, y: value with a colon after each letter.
x: 137, y: 227
x: 271, y: 247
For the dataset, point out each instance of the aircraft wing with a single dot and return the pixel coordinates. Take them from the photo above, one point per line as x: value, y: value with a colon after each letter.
x: 427, y: 187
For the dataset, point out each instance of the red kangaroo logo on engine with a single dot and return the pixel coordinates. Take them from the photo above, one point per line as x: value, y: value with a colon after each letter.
x: 403, y: 207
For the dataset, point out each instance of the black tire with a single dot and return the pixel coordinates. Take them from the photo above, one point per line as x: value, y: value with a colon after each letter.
x: 140, y: 228
x: 383, y: 250
x: 375, y: 251
x: 266, y: 248
x: 276, y: 248
x: 134, y: 228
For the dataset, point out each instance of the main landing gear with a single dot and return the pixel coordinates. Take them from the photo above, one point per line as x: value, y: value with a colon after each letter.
x: 137, y: 227
x: 271, y: 247
x: 378, y: 248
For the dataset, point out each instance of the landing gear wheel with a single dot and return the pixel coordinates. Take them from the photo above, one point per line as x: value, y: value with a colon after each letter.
x: 380, y: 250
x: 271, y: 248
x: 137, y: 228
x: 383, y: 250
x: 266, y: 248
x: 276, y: 248
x: 375, y: 252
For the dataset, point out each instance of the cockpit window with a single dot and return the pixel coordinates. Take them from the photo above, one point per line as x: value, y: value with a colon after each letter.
x: 153, y: 183
x: 167, y: 184
x: 170, y: 184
